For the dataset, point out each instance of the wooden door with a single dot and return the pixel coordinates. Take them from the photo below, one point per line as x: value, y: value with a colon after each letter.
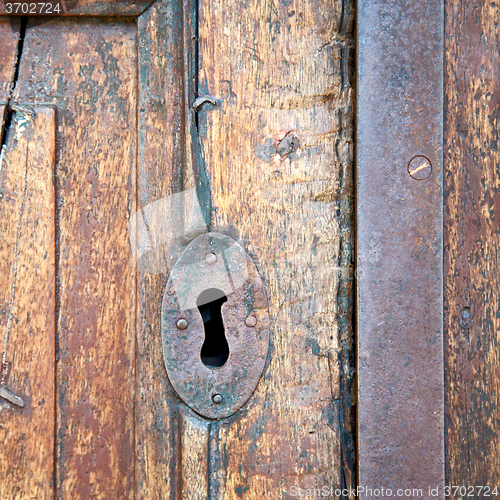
x: 98, y: 110
x: 128, y: 129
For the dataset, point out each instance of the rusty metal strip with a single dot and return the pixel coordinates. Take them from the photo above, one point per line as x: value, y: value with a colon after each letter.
x: 400, y: 244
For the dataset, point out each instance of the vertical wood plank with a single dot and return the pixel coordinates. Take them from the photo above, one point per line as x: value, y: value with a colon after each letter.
x: 160, y: 163
x: 87, y: 68
x: 9, y: 37
x: 472, y: 239
x: 278, y: 151
x: 194, y: 469
x: 27, y: 306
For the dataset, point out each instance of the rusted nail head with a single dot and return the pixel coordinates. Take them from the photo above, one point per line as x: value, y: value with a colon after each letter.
x: 420, y: 168
x: 250, y: 320
x: 210, y: 258
x: 217, y: 399
x: 182, y: 324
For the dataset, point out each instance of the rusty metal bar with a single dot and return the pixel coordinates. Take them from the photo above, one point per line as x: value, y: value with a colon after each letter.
x: 399, y: 233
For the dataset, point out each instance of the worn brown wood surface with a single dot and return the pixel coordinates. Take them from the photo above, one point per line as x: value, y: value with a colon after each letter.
x: 194, y: 469
x: 160, y: 163
x: 169, y: 436
x: 88, y: 70
x: 27, y: 305
x: 472, y: 239
x: 9, y: 36
x: 278, y: 153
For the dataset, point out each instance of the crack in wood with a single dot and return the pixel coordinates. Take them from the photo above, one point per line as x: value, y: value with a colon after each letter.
x: 12, y: 87
x: 7, y: 122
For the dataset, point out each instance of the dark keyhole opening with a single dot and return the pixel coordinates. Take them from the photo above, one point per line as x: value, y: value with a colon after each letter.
x: 215, y: 351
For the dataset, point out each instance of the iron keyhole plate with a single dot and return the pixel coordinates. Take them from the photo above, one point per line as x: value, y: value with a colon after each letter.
x: 215, y: 261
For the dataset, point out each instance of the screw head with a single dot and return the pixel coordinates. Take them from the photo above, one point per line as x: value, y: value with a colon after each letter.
x: 250, y: 321
x: 420, y: 168
x: 210, y: 258
x: 217, y: 399
x: 182, y: 324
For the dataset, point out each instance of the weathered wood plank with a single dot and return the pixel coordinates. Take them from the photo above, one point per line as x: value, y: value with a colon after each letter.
x: 9, y: 37
x: 27, y: 305
x: 194, y: 470
x: 88, y: 70
x: 160, y: 163
x: 472, y: 239
x: 278, y: 151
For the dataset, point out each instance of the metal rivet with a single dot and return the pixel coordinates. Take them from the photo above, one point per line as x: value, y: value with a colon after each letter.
x: 182, y: 324
x: 210, y: 258
x: 217, y: 399
x: 420, y: 168
x: 250, y: 321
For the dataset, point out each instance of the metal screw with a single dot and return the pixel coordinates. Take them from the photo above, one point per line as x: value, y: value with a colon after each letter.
x: 210, y: 258
x: 217, y: 399
x: 182, y: 324
x: 250, y: 321
x: 420, y: 168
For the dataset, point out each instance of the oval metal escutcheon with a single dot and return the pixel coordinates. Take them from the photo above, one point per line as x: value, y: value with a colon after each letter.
x: 214, y: 363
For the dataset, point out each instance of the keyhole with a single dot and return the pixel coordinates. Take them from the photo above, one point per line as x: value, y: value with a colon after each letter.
x: 215, y: 351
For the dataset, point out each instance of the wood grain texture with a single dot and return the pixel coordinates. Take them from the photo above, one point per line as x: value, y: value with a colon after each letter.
x: 278, y: 153
x: 95, y: 8
x: 9, y: 37
x: 160, y: 166
x: 27, y: 305
x: 472, y: 239
x: 88, y: 70
x: 194, y: 465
